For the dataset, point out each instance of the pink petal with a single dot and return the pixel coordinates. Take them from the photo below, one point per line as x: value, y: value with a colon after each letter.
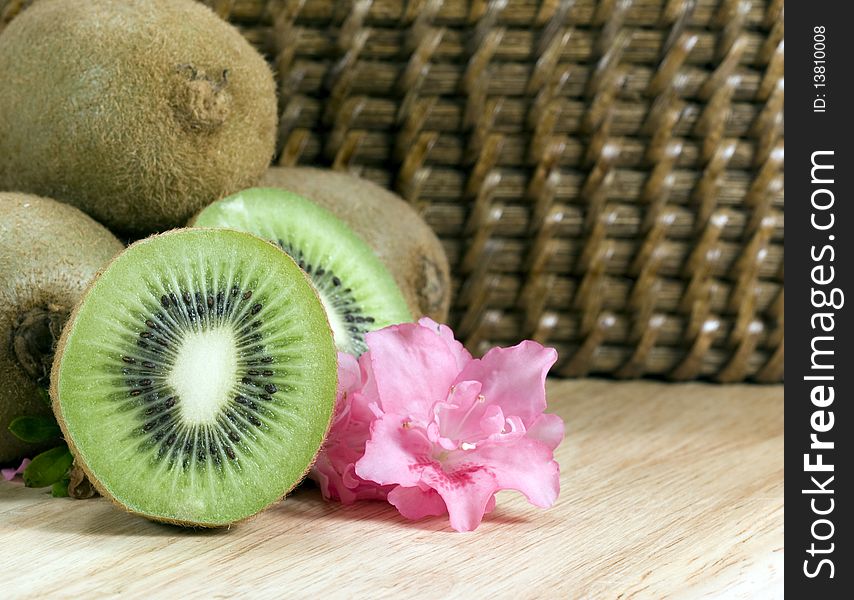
x: 462, y: 356
x: 344, y: 486
x: 345, y: 444
x: 459, y: 416
x: 524, y: 464
x: 435, y: 437
x: 349, y: 373
x: 415, y: 503
x: 513, y: 429
x: 367, y: 399
x: 331, y: 480
x: 413, y: 367
x: 396, y: 452
x: 492, y: 421
x: 514, y: 378
x: 467, y: 491
x: 9, y: 474
x: 323, y: 474
x: 548, y: 429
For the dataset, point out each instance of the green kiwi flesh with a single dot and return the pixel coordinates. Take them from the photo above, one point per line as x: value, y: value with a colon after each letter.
x: 195, y: 381
x: 356, y: 289
x: 392, y: 227
x: 49, y: 253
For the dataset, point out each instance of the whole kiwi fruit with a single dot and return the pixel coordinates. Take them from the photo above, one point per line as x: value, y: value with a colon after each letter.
x: 138, y: 112
x: 49, y: 252
x: 390, y: 226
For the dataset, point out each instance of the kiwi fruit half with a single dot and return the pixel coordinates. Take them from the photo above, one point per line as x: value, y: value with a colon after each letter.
x: 391, y: 227
x: 356, y: 289
x: 195, y: 381
x: 49, y: 252
x: 137, y: 112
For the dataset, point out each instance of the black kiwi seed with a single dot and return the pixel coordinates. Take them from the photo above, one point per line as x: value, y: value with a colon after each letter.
x: 330, y: 287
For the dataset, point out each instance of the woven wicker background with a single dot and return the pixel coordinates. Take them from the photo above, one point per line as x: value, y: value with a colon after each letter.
x: 606, y: 176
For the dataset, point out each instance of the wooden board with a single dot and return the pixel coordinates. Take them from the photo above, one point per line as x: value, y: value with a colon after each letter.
x: 667, y: 490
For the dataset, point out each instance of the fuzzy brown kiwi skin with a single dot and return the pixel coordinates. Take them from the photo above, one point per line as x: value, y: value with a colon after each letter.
x: 78, y: 457
x: 390, y: 226
x: 49, y: 252
x: 138, y: 113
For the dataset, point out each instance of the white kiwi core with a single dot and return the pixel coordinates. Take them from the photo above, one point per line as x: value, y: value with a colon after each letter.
x: 204, y: 373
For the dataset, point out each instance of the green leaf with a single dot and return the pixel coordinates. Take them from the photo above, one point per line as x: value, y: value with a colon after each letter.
x: 48, y: 467
x: 45, y: 395
x: 60, y: 489
x: 35, y: 429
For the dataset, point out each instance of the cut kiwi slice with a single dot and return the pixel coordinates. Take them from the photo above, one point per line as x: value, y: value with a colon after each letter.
x: 196, y: 379
x: 356, y: 289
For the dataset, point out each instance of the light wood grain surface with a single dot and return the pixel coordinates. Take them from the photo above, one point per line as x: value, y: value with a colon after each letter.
x: 666, y: 491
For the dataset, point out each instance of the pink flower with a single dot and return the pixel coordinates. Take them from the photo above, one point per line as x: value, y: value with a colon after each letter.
x: 334, y: 470
x: 10, y: 474
x: 446, y: 431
